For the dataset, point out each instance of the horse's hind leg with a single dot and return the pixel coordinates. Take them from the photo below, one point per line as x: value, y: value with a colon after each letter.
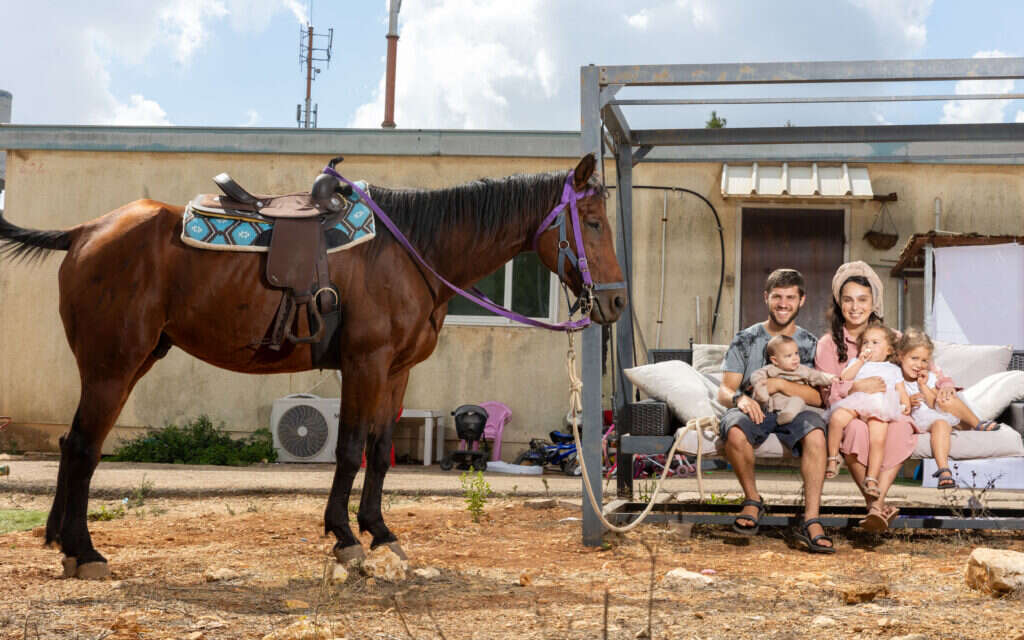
x: 378, y: 456
x: 101, y: 402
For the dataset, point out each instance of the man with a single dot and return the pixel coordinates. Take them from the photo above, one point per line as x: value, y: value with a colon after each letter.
x: 745, y: 425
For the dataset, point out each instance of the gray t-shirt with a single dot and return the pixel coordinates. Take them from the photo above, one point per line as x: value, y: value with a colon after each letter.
x: 746, y: 353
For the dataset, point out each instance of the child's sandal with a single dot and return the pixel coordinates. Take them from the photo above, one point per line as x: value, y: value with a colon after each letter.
x: 832, y: 468
x: 871, y: 487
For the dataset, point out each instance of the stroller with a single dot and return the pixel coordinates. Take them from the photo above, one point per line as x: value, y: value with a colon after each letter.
x: 473, y: 451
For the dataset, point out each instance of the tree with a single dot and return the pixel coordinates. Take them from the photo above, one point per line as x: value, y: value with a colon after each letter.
x: 715, y: 122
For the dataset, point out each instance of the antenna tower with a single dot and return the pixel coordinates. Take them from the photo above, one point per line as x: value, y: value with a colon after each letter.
x: 313, y: 47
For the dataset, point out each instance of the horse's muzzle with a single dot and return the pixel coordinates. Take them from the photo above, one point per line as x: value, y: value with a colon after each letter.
x: 608, y: 305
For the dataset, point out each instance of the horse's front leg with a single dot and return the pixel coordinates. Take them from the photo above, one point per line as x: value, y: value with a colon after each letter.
x: 378, y: 457
x: 364, y: 391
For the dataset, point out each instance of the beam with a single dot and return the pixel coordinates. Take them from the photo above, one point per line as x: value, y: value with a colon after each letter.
x: 590, y: 357
x: 814, y: 72
x: 625, y: 357
x: 616, y: 123
x: 660, y: 102
x: 832, y: 134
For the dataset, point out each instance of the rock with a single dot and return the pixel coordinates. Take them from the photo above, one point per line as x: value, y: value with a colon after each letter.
x: 913, y: 636
x: 680, y: 578
x: 340, y: 574
x: 296, y: 604
x: 885, y: 622
x: 525, y: 579
x: 221, y: 574
x: 859, y: 592
x: 427, y: 573
x: 681, y: 529
x: 39, y: 532
x: 301, y: 630
x: 541, y: 503
x: 823, y: 621
x: 384, y: 564
x: 995, y: 571
x: 195, y: 635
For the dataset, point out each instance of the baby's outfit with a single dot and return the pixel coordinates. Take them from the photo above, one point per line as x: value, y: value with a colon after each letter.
x: 787, y: 406
x: 923, y: 415
x: 883, y: 405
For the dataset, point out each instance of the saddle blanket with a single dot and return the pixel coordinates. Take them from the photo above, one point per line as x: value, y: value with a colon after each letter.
x: 207, y: 227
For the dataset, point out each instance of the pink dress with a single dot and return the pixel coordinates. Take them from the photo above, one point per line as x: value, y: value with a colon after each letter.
x: 883, y: 405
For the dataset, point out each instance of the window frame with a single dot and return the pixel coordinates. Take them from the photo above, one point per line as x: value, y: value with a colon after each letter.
x: 501, y: 321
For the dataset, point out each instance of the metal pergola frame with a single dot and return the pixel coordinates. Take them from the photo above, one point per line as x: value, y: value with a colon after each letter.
x: 603, y: 121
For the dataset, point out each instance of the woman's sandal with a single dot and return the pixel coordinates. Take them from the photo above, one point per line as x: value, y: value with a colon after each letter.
x: 804, y: 536
x: 871, y: 487
x: 832, y: 468
x: 753, y: 529
x: 987, y: 425
x: 876, y: 520
x: 890, y: 513
x: 945, y: 477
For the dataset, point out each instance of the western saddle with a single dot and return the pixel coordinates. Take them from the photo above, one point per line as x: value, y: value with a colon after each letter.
x: 297, y: 257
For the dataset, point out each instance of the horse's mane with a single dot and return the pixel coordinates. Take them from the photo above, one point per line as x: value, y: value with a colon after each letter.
x: 486, y: 208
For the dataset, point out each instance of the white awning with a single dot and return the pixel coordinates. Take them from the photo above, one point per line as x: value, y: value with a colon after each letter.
x: 797, y: 180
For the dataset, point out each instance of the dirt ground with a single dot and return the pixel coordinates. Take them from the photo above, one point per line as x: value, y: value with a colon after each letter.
x: 520, y: 573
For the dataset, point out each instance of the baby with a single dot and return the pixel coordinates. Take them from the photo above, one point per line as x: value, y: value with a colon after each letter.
x: 784, y: 355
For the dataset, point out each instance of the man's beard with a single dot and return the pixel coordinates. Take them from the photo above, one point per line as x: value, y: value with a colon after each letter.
x: 792, y: 318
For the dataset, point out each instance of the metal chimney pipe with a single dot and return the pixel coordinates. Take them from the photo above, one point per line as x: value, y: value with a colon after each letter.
x: 389, y: 82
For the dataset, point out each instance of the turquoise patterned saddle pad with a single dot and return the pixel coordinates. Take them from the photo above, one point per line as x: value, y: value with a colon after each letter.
x: 208, y: 224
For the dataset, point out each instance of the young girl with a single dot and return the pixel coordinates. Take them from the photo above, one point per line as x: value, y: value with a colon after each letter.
x: 915, y: 353
x: 877, y: 349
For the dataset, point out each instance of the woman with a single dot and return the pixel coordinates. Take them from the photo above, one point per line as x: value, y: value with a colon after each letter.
x: 856, y: 305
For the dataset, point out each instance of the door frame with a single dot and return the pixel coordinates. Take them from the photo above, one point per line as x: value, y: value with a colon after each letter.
x: 738, y: 249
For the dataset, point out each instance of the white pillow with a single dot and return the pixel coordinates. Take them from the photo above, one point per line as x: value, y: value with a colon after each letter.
x: 966, y: 364
x: 988, y: 398
x: 709, y: 358
x: 686, y: 392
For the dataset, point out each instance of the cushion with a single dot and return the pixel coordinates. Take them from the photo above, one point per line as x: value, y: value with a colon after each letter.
x: 989, y: 397
x: 964, y: 445
x: 709, y: 358
x: 710, y: 446
x: 967, y: 364
x: 686, y: 392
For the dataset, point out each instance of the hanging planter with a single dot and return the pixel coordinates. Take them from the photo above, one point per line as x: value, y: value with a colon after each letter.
x: 883, y: 236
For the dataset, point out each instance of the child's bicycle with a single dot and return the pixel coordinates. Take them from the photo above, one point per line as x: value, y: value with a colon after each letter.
x: 561, y: 452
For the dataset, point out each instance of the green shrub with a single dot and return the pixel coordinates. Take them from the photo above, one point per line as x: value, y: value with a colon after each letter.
x: 197, y: 442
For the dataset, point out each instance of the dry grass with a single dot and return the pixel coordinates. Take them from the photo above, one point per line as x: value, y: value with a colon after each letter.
x: 763, y: 588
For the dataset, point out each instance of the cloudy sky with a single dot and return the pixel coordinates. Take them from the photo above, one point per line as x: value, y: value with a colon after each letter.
x: 470, y: 63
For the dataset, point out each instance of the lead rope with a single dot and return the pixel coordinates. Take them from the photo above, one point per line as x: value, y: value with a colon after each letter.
x: 696, y: 425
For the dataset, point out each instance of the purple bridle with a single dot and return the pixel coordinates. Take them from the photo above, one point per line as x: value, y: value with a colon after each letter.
x: 569, y: 197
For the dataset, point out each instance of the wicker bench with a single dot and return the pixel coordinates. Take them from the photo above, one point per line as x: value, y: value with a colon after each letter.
x: 650, y: 425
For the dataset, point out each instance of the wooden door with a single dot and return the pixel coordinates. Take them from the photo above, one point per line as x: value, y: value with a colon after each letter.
x: 808, y: 240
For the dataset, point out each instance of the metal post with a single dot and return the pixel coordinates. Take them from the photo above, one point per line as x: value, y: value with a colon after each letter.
x: 591, y: 348
x: 309, y: 74
x: 389, y: 83
x: 929, y: 289
x: 624, y: 327
x: 901, y: 296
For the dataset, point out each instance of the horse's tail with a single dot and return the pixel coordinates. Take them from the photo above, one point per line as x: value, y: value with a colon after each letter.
x: 29, y: 244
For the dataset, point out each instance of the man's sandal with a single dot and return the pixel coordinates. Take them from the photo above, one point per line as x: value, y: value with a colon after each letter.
x: 945, y: 477
x: 804, y: 536
x: 876, y: 520
x: 832, y: 468
x: 987, y: 425
x: 743, y: 517
x: 871, y: 487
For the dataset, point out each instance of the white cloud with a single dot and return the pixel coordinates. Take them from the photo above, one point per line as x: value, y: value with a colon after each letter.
x: 1020, y: 116
x: 968, y: 111
x: 183, y: 22
x: 904, y: 20
x: 880, y: 118
x: 252, y: 118
x: 639, y: 20
x: 139, y: 111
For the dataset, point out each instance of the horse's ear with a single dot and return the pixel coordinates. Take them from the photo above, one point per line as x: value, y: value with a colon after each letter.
x: 583, y: 171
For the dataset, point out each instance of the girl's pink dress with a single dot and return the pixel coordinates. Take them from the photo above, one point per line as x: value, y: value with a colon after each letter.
x: 883, y: 405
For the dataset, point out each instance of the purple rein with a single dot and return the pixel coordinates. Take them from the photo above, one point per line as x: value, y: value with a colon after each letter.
x: 569, y: 196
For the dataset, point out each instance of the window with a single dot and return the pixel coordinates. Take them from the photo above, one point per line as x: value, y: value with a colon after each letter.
x: 523, y: 284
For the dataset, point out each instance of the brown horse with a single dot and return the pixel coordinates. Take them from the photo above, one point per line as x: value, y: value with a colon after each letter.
x: 127, y: 295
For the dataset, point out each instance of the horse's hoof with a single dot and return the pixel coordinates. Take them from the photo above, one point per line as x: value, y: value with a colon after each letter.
x: 351, y: 554
x: 397, y: 549
x: 70, y: 566
x: 93, y: 571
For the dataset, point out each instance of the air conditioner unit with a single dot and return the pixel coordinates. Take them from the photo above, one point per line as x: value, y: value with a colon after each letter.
x: 305, y: 427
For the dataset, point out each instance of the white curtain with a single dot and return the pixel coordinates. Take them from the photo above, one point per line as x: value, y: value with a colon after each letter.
x: 979, y: 294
